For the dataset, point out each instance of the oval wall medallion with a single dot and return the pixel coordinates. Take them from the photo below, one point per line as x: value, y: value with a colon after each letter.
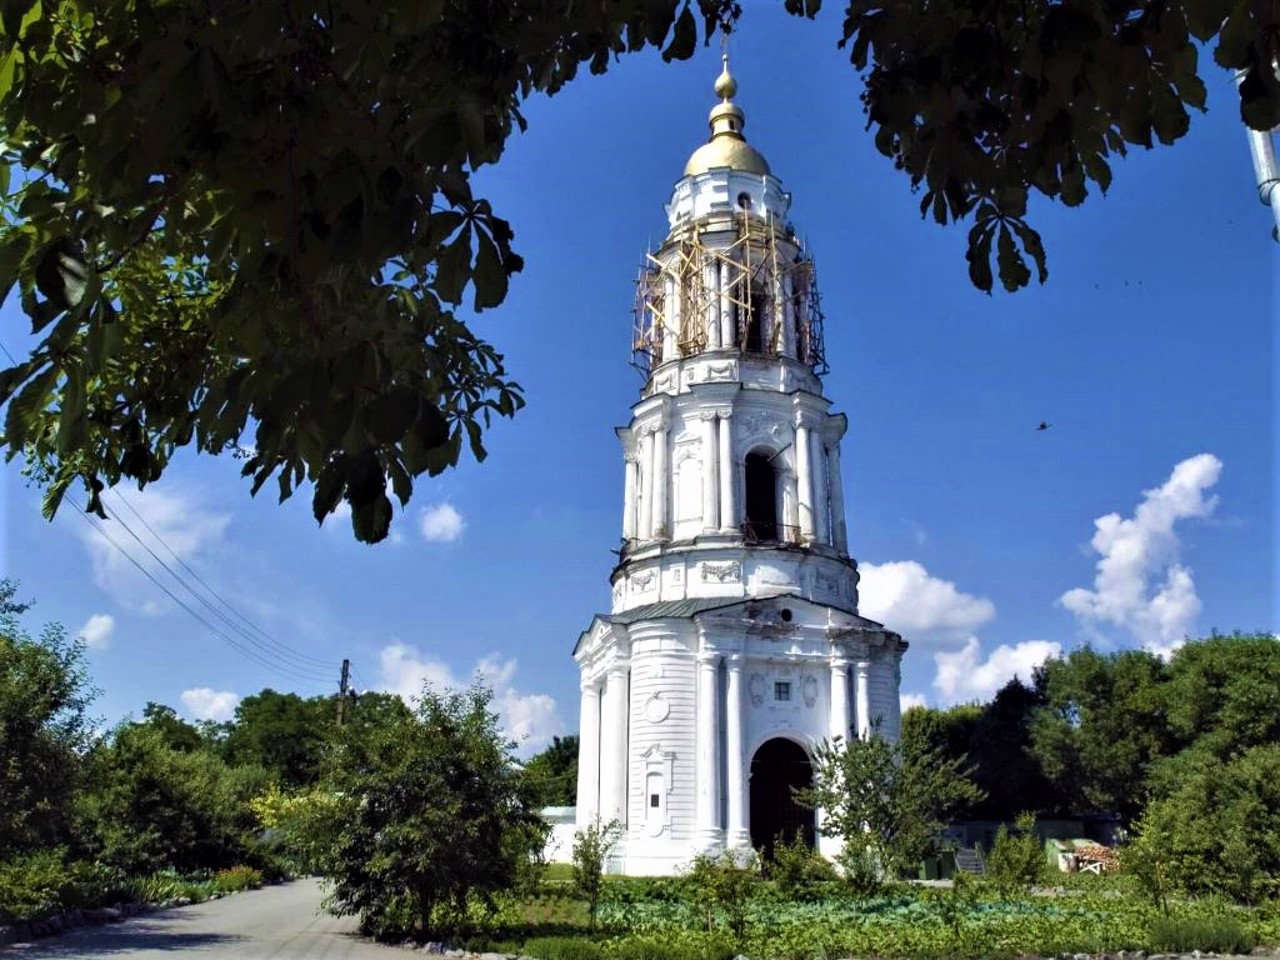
x: 656, y: 709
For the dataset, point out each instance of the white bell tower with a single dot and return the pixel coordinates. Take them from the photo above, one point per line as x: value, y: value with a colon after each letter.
x: 733, y: 646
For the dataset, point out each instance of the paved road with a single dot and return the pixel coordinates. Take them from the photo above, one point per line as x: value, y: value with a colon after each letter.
x: 277, y: 923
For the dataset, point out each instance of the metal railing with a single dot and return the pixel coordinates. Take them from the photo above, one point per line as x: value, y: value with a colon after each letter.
x: 757, y: 531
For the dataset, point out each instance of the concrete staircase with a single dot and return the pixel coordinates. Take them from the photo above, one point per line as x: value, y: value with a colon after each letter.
x: 969, y: 860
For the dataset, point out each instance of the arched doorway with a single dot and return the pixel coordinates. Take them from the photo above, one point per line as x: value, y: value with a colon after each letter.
x: 779, y: 767
x: 762, y: 499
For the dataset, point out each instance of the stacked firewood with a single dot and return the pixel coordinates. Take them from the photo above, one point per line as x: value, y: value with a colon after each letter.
x: 1087, y: 852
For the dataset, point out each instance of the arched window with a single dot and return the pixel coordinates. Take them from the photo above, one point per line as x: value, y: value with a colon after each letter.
x: 761, y: 499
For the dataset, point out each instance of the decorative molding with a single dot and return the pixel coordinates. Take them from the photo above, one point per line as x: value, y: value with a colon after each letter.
x: 727, y: 572
x: 720, y: 371
x: 755, y: 689
x: 656, y: 709
x: 644, y: 580
x: 809, y: 690
x: 677, y: 574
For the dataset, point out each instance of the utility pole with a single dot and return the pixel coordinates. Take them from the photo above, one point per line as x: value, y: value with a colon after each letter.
x: 342, y: 692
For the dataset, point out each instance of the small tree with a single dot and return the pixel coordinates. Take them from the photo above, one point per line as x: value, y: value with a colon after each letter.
x: 887, y: 805
x: 725, y: 883
x: 1017, y: 858
x: 434, y: 813
x: 591, y: 848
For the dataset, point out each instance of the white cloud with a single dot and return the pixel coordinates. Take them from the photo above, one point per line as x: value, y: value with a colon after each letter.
x: 1139, y: 585
x: 908, y: 700
x: 961, y: 675
x: 441, y: 523
x: 178, y: 518
x: 905, y: 597
x: 205, y: 703
x: 96, y: 632
x: 529, y: 718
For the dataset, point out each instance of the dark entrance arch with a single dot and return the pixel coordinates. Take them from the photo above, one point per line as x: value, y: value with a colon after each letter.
x: 779, y: 766
x: 762, y: 499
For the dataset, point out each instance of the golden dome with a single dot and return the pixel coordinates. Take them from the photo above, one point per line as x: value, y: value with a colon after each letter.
x: 727, y: 146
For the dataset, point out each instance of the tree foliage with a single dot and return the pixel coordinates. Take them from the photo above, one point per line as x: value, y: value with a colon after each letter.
x: 157, y: 806
x: 1102, y: 725
x: 434, y: 813
x: 888, y: 806
x: 1216, y: 830
x: 554, y: 772
x: 44, y: 730
x: 246, y: 227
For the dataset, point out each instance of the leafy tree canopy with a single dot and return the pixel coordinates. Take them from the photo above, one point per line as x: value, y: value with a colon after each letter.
x: 887, y: 805
x: 245, y: 226
x: 1102, y: 725
x: 44, y: 730
x: 435, y: 812
x: 554, y: 772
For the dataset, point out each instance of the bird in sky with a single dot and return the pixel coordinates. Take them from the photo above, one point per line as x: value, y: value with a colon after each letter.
x: 1044, y: 425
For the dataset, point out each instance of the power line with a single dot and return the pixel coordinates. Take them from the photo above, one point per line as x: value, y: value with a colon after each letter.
x: 246, y: 651
x: 303, y: 669
x: 302, y: 659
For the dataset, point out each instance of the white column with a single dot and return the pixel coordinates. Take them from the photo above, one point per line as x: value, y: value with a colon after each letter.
x: 821, y: 522
x: 862, y: 695
x: 726, y: 469
x: 589, y: 755
x: 670, y: 317
x: 893, y: 722
x: 661, y: 482
x: 710, y: 493
x: 728, y: 327
x: 707, y: 762
x: 840, y: 528
x: 839, y: 725
x: 790, y: 505
x: 646, y: 486
x: 804, y: 482
x: 712, y: 272
x: 613, y: 746
x: 788, y: 318
x: 629, y: 500
x: 738, y: 834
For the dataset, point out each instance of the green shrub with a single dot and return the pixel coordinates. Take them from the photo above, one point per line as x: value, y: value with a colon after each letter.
x: 794, y: 865
x: 1017, y: 859
x: 155, y: 887
x: 32, y: 887
x: 664, y: 948
x: 1216, y: 934
x: 235, y: 879
x: 724, y: 883
x: 562, y: 948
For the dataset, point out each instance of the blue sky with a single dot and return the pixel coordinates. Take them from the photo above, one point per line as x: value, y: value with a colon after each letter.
x: 1151, y: 351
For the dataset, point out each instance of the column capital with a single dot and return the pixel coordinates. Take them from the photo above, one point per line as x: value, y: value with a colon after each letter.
x: 724, y: 414
x: 590, y: 688
x: 863, y: 666
x: 618, y: 667
x: 711, y: 656
x: 840, y: 662
x: 707, y: 415
x: 734, y: 661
